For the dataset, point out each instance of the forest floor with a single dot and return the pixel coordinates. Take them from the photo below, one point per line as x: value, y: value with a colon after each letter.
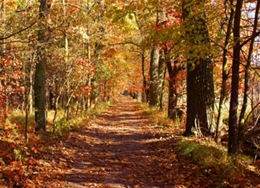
x: 121, y: 148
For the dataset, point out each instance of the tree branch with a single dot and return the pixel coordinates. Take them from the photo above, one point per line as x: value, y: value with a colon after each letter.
x: 252, y: 37
x: 19, y: 31
x: 126, y: 42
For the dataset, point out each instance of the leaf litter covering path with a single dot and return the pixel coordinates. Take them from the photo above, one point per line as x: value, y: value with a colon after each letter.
x: 121, y: 148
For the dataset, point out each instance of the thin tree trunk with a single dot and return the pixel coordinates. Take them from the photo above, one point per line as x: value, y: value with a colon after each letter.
x: 67, y: 64
x: 145, y: 91
x: 55, y: 111
x: 30, y: 97
x: 3, y: 16
x: 28, y: 93
x: 161, y: 77
x: 233, y: 114
x: 2, y: 54
x: 223, y: 92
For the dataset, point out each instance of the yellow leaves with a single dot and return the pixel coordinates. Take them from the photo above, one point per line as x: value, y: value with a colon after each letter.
x: 130, y: 22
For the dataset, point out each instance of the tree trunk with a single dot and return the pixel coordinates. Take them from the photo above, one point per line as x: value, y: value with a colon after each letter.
x: 173, y: 95
x: 200, y: 84
x: 191, y: 103
x: 39, y: 81
x: 145, y: 91
x: 96, y: 55
x: 223, y: 91
x: 233, y: 114
x: 3, y: 18
x: 67, y: 64
x: 154, y: 77
x: 157, y: 66
x: 161, y: 79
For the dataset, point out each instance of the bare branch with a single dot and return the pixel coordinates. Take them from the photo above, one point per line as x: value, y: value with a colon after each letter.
x: 252, y: 37
x: 19, y: 31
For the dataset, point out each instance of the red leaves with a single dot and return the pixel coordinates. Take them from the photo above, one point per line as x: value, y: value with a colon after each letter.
x: 166, y: 45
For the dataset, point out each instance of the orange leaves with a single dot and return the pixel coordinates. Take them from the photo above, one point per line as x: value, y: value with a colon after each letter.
x: 110, y: 53
x: 74, y: 6
x: 84, y: 90
x: 35, y: 150
x: 11, y: 4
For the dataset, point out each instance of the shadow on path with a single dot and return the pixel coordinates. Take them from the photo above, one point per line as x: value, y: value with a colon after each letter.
x: 122, y: 149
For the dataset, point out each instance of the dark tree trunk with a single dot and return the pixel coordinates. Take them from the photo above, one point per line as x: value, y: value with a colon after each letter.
x: 200, y: 84
x: 233, y: 114
x: 52, y: 100
x: 223, y: 92
x: 39, y: 81
x: 191, y: 102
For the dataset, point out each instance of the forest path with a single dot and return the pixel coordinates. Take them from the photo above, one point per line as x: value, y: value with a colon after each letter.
x: 121, y: 148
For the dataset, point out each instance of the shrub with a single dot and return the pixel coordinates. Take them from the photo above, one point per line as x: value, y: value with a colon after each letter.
x: 211, y: 157
x: 62, y: 127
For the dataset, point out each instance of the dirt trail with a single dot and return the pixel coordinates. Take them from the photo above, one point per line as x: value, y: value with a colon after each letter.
x: 121, y: 148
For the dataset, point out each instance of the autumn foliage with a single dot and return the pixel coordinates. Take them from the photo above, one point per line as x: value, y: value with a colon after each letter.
x: 89, y: 52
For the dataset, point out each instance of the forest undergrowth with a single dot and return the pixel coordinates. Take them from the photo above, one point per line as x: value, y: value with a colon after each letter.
x: 124, y: 145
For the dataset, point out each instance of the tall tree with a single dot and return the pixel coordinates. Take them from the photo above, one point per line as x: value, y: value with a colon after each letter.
x: 233, y: 110
x: 157, y: 64
x: 223, y: 90
x: 200, y: 88
x: 174, y: 69
x: 154, y: 79
x: 39, y: 81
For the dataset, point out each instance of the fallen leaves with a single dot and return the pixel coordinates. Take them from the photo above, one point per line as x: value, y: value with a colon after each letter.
x: 112, y: 151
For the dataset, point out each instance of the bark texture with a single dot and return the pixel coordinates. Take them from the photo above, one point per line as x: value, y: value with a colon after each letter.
x: 200, y: 85
x: 233, y: 111
x: 39, y: 80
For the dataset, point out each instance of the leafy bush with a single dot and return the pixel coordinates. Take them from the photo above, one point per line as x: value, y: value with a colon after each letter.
x: 211, y: 157
x: 62, y: 127
x: 158, y: 117
x: 17, y: 123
